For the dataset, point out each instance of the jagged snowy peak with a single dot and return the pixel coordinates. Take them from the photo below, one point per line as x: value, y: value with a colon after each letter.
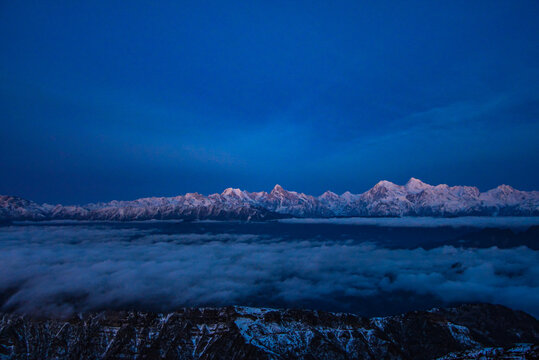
x: 13, y: 207
x: 292, y: 203
x: 505, y: 200
x: 383, y: 190
x: 346, y: 204
x: 328, y: 195
x: 509, y: 195
x: 279, y: 191
x: 446, y: 201
x: 414, y: 186
x: 237, y: 194
x: 415, y: 198
x: 386, y: 199
x: 468, y: 332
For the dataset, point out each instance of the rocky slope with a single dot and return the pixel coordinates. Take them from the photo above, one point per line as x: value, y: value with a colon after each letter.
x: 384, y: 199
x: 465, y: 332
x: 518, y: 352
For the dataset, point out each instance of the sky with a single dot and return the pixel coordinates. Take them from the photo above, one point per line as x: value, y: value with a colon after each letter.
x: 115, y: 100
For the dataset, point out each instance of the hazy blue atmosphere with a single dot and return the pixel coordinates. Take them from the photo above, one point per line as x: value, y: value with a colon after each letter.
x: 101, y: 101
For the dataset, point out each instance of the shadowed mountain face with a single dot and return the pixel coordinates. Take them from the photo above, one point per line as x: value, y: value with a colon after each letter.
x: 255, y: 333
x: 384, y: 199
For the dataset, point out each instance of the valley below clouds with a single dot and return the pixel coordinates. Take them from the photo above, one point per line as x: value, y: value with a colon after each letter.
x: 58, y: 269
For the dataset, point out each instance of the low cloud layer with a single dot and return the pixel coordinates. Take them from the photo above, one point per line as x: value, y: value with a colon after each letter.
x: 61, y: 269
x: 515, y: 222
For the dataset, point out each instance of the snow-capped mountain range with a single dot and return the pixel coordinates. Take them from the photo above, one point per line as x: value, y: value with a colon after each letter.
x: 415, y: 198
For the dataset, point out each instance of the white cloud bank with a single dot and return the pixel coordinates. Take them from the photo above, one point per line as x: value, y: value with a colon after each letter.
x: 466, y: 221
x: 61, y: 269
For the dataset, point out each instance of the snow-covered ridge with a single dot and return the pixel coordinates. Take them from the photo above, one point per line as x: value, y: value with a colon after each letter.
x: 467, y: 332
x: 415, y: 198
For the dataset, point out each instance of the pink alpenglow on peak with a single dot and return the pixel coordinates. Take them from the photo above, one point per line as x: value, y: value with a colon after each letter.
x: 416, y: 185
x: 415, y: 198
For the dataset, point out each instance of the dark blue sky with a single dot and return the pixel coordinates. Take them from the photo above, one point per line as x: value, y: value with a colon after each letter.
x: 129, y: 99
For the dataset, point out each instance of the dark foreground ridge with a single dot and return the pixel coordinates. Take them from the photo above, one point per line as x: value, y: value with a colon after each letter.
x: 464, y: 332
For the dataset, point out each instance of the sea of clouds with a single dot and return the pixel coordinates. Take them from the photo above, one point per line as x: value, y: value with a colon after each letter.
x: 64, y: 269
x: 512, y: 222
